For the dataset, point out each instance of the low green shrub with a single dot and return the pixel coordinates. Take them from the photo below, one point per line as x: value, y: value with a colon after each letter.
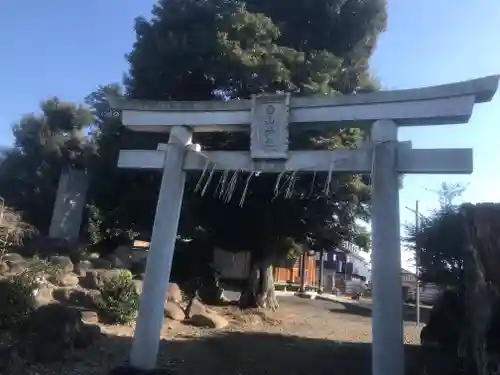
x: 119, y: 300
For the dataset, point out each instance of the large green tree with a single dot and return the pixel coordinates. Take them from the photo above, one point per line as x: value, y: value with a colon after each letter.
x: 441, y: 239
x: 45, y: 143
x: 220, y: 49
x: 122, y: 202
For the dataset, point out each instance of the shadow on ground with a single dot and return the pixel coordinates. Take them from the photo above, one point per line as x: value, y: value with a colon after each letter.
x: 409, y: 312
x: 232, y: 353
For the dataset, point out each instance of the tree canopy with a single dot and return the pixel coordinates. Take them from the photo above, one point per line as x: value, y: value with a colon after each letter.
x: 441, y: 240
x: 217, y: 50
x: 45, y: 143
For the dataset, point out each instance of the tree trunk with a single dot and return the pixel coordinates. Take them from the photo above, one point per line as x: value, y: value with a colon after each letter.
x: 259, y: 290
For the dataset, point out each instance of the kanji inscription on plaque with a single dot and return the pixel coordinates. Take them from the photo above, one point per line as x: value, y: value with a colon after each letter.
x: 269, y: 138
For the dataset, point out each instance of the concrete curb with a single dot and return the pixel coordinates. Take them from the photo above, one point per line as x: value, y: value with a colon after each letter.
x: 284, y: 293
x: 332, y: 298
x: 323, y: 297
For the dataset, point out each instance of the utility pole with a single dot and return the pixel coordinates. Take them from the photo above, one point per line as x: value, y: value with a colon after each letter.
x: 321, y: 269
x: 417, y: 263
x: 303, y: 272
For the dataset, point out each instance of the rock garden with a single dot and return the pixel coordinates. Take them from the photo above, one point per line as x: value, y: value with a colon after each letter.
x: 55, y: 306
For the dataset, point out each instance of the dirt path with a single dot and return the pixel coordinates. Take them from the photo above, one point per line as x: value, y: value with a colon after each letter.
x: 302, y: 338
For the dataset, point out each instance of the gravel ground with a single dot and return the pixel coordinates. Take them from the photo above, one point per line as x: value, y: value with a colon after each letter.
x: 303, y: 337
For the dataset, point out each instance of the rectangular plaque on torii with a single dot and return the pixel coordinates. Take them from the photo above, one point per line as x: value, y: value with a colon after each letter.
x: 269, y: 127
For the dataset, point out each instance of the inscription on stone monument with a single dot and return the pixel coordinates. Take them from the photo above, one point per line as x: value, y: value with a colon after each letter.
x: 269, y: 138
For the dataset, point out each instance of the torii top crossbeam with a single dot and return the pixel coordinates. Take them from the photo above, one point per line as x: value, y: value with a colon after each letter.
x: 436, y: 105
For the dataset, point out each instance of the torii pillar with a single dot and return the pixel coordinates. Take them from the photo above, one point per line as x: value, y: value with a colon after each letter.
x: 268, y: 119
x: 387, y: 312
x: 161, y: 251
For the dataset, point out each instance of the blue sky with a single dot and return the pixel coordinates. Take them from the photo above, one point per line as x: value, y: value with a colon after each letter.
x: 67, y: 48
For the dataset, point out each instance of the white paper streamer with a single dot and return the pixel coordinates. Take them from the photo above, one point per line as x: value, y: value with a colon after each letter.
x: 242, y: 200
x: 231, y: 187
x: 203, y: 173
x: 312, y: 185
x: 291, y: 185
x: 208, y: 181
x: 285, y: 181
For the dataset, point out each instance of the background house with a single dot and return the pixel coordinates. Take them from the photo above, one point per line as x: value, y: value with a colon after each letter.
x: 344, y: 268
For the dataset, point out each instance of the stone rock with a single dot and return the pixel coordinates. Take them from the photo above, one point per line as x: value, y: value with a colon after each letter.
x: 101, y: 263
x: 65, y: 279
x: 14, y: 263
x: 94, y: 278
x: 62, y: 262
x: 13, y: 257
x: 89, y: 316
x: 174, y: 293
x: 82, y: 267
x: 16, y: 266
x: 174, y: 311
x: 208, y: 320
x: 44, y: 294
x: 77, y: 297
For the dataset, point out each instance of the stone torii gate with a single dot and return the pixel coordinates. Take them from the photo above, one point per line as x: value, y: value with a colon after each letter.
x: 268, y: 118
